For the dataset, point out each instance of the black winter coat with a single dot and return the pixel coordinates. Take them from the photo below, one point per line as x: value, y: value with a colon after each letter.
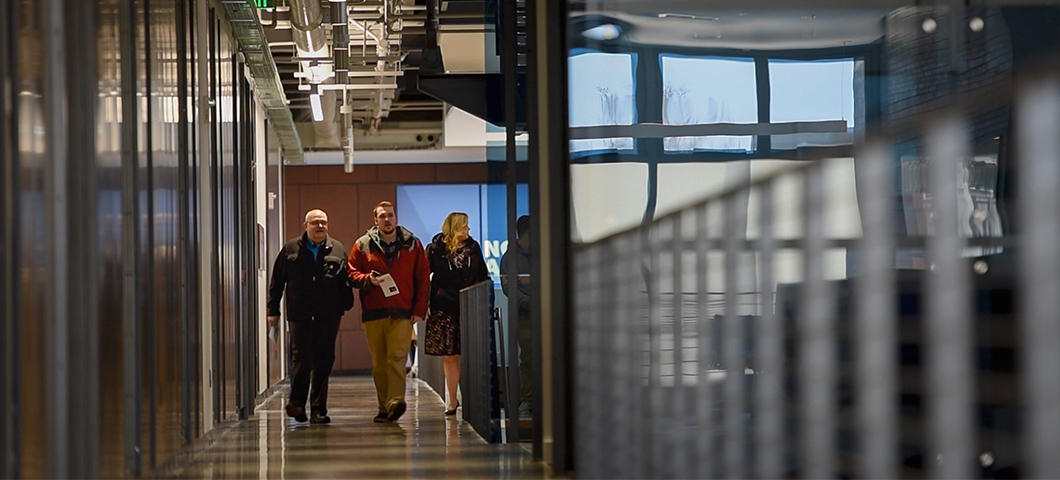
x: 448, y: 279
x: 316, y: 288
x: 522, y: 267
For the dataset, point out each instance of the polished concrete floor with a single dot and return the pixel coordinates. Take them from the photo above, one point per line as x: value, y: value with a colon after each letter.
x: 424, y: 443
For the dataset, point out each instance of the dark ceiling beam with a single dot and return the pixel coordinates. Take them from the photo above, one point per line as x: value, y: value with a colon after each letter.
x: 476, y: 93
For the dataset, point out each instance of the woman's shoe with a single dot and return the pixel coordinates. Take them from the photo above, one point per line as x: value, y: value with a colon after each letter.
x: 453, y: 411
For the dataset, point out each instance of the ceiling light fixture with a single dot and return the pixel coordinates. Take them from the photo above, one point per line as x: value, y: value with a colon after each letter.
x: 688, y: 17
x: 318, y: 110
x: 603, y: 32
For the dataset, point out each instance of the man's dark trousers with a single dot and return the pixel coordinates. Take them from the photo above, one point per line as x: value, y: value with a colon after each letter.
x: 313, y: 356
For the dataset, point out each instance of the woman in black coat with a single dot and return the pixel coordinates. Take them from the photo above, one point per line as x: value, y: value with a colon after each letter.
x: 456, y: 263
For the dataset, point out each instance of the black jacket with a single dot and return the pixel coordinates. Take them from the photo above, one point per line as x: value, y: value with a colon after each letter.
x: 316, y: 288
x: 448, y: 279
x: 522, y: 267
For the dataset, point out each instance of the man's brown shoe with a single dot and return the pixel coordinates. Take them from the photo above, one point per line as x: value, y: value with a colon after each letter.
x: 396, y: 410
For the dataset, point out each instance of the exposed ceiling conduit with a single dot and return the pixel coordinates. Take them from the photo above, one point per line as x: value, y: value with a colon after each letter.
x: 340, y: 39
x: 431, y: 56
x: 306, y: 17
x: 246, y: 27
x: 362, y: 56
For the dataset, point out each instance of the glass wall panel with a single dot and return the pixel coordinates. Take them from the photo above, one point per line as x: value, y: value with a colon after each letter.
x: 602, y: 92
x: 811, y: 91
x: 704, y: 91
x: 826, y: 209
x: 607, y: 198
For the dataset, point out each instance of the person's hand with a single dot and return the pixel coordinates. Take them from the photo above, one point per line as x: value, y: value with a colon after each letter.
x: 374, y: 279
x: 416, y: 319
x: 274, y: 320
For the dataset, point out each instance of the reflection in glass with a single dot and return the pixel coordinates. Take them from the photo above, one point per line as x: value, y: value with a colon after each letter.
x: 976, y: 203
x: 607, y: 198
x: 812, y: 91
x: 707, y: 90
x: 602, y: 93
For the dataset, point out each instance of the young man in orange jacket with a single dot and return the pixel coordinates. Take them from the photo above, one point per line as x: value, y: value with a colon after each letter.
x: 389, y: 267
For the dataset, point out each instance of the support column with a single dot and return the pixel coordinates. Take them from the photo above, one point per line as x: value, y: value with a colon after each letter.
x: 71, y: 320
x: 550, y: 202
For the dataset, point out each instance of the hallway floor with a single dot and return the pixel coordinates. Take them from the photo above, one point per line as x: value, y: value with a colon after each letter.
x: 424, y: 443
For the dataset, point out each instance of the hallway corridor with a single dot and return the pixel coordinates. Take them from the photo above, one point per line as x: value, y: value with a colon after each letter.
x: 424, y: 443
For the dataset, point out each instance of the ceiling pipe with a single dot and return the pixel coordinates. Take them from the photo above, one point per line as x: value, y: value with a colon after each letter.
x: 431, y: 56
x: 347, y: 149
x: 340, y: 39
x: 306, y: 17
x: 432, y: 23
x: 355, y: 26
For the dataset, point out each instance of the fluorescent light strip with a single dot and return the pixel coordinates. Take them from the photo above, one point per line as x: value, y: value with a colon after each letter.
x: 318, y: 111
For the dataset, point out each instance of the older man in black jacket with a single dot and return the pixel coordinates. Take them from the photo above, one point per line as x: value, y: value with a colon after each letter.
x: 312, y: 269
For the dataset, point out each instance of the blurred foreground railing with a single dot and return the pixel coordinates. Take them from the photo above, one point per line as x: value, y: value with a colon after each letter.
x: 479, y: 382
x: 795, y: 326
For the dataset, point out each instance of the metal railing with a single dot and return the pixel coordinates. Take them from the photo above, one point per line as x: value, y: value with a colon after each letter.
x: 794, y: 327
x: 478, y: 365
x: 431, y: 367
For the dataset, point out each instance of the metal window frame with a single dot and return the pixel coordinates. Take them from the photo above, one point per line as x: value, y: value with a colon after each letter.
x: 147, y: 283
x: 648, y: 96
x: 71, y: 343
x: 10, y: 345
x: 132, y: 374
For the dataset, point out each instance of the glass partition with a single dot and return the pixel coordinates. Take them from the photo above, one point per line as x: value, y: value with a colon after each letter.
x: 819, y: 249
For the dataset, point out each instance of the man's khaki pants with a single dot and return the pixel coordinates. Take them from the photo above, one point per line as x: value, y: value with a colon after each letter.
x: 388, y: 342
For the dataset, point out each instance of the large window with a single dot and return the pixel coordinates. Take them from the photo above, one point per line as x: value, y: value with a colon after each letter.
x: 704, y: 91
x: 682, y: 120
x: 759, y: 104
x: 602, y: 92
x: 812, y: 91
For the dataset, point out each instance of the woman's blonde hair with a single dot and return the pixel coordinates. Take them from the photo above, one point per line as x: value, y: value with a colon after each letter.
x: 453, y: 224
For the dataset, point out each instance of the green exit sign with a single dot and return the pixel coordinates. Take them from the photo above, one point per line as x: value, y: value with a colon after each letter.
x: 265, y: 3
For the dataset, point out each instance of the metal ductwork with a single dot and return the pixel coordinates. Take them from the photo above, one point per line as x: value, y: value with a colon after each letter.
x: 306, y: 18
x: 353, y: 53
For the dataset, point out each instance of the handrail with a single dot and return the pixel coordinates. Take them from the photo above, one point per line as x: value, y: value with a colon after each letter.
x: 479, y: 385
x: 722, y: 340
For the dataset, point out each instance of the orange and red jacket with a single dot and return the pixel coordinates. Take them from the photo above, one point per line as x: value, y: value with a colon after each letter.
x: 409, y: 269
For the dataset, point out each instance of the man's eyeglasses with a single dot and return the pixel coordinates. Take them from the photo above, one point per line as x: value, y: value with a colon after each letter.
x: 318, y: 223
